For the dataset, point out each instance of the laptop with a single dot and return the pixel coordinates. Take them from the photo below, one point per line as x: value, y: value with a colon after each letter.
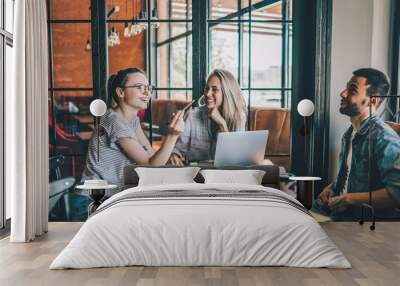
x: 243, y: 148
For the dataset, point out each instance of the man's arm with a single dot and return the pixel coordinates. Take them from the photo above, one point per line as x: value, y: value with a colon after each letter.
x: 380, y: 198
x: 387, y: 154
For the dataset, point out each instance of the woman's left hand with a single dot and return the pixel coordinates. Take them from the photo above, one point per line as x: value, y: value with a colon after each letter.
x: 218, y: 119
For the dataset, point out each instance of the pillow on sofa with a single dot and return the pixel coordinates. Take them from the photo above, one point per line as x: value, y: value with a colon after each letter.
x: 164, y: 176
x: 248, y: 177
x: 271, y: 177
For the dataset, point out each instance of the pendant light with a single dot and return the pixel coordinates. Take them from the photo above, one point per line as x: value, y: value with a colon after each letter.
x: 88, y: 46
x: 142, y: 16
x: 154, y: 17
x: 127, y: 32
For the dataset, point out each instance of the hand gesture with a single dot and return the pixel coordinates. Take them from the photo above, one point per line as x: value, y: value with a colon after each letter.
x: 326, y: 194
x: 215, y: 115
x: 175, y: 160
x: 338, y: 204
x: 177, y: 124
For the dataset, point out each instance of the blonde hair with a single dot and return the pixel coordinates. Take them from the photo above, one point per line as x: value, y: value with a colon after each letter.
x: 234, y: 109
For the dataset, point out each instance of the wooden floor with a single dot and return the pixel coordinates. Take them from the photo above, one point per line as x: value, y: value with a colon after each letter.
x: 375, y: 257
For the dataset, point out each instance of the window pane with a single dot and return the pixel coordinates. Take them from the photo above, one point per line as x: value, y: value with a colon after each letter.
x: 130, y: 52
x: 168, y: 31
x: 9, y: 14
x: 73, y: 101
x: 245, y: 60
x: 8, y: 88
x: 266, y: 55
x: 263, y: 98
x: 67, y: 10
x: 289, y: 57
x: 174, y: 94
x: 72, y: 61
x: 174, y: 55
x: 222, y: 8
x: 74, y: 127
x: 181, y: 63
x: 224, y: 47
x: 174, y: 9
x: 266, y: 12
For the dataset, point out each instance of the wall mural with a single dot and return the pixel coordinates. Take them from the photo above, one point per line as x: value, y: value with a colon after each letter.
x: 246, y: 89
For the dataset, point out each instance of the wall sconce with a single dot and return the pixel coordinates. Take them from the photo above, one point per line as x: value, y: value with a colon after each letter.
x: 97, y: 108
x: 305, y: 108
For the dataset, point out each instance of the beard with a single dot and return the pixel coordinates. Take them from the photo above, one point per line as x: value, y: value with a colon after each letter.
x: 349, y: 109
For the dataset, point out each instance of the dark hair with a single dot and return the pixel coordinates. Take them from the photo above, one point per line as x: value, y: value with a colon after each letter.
x: 118, y: 80
x: 379, y: 83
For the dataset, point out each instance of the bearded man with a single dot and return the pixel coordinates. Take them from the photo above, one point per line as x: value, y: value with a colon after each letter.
x: 351, y: 187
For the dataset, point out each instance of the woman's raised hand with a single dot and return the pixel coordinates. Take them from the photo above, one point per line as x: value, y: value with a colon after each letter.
x: 218, y: 119
x: 177, y: 124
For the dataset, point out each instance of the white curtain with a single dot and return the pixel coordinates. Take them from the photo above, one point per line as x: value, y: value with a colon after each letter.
x: 27, y: 125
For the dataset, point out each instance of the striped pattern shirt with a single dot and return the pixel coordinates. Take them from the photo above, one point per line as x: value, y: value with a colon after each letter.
x: 110, y: 166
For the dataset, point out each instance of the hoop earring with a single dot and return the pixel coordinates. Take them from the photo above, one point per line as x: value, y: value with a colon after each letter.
x: 202, y: 101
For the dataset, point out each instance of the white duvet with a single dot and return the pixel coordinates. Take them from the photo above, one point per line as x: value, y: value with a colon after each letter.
x: 185, y: 231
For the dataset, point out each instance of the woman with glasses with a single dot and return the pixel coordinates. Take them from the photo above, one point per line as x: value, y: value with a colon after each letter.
x: 122, y: 140
x: 224, y: 110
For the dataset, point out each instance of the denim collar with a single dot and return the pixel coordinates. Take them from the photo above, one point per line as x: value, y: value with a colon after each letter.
x: 364, y: 126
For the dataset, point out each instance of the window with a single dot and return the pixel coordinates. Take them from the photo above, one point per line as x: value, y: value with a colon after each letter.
x: 6, y: 64
x: 253, y: 40
x: 70, y: 93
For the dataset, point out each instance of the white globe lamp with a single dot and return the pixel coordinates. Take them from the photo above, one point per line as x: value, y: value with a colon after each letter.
x: 305, y: 108
x: 97, y: 108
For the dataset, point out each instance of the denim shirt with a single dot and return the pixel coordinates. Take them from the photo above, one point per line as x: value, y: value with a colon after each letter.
x: 385, y: 163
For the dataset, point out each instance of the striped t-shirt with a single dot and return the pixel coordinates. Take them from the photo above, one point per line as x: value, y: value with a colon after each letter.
x: 110, y: 166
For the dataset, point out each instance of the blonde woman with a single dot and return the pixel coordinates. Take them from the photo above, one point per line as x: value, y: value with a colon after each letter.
x: 224, y: 111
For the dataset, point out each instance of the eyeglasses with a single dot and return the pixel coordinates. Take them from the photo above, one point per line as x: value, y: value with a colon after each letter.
x: 142, y: 87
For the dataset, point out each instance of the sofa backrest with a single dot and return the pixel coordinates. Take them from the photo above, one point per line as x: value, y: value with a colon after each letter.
x: 277, y: 121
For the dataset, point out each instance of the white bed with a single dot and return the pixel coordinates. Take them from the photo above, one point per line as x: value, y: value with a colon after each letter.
x: 245, y: 225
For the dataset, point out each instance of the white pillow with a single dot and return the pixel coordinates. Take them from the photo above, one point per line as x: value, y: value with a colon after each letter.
x: 249, y: 177
x: 166, y: 176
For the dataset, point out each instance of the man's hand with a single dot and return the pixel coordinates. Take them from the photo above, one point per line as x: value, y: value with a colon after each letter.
x: 326, y: 194
x: 338, y: 204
